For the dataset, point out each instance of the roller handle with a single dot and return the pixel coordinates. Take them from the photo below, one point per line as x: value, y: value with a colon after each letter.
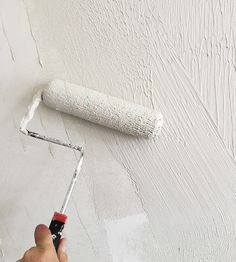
x: 56, y: 227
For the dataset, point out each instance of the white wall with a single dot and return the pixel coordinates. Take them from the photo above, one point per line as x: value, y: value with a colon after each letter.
x: 169, y: 199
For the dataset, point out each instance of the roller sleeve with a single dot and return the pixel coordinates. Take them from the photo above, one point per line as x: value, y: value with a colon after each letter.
x: 102, y: 109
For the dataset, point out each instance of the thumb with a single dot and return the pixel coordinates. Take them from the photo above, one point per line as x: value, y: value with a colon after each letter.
x: 43, y: 237
x: 61, y: 252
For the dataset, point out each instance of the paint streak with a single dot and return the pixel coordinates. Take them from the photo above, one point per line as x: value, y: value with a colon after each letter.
x: 7, y: 39
x: 32, y: 34
x: 85, y: 230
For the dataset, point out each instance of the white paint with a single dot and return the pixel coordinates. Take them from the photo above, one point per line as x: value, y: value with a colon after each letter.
x: 37, y: 98
x: 203, y: 35
x: 125, y: 238
x: 102, y: 109
x: 170, y: 54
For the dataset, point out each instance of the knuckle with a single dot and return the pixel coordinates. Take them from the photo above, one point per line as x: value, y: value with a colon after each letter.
x: 27, y: 256
x: 31, y: 255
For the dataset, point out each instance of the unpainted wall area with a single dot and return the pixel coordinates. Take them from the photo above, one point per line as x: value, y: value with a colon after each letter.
x: 168, y: 199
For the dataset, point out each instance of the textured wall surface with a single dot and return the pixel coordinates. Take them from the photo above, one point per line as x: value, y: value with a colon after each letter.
x: 203, y: 33
x: 137, y: 200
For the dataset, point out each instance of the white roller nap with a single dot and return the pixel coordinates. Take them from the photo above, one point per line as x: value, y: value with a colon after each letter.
x: 102, y: 109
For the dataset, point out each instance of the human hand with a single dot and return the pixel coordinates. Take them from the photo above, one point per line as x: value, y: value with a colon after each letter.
x: 45, y: 250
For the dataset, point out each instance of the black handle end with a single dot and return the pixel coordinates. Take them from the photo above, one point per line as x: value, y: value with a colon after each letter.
x: 56, y: 227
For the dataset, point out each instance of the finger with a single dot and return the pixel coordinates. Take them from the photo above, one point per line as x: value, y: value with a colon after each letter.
x: 43, y: 237
x: 61, y: 252
x: 27, y: 255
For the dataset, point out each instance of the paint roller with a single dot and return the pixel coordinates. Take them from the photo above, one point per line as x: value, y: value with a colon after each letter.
x: 95, y: 107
